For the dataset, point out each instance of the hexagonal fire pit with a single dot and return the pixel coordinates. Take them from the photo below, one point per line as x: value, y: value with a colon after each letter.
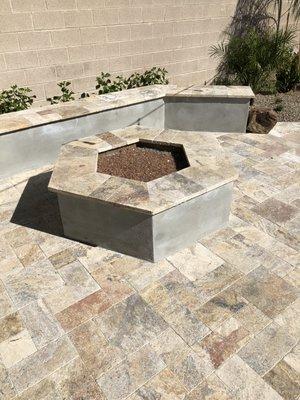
x: 143, y: 192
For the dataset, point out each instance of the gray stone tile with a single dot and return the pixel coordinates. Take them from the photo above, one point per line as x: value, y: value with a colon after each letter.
x: 32, y: 283
x: 212, y: 388
x: 41, y: 324
x: 131, y: 324
x: 267, y: 348
x: 245, y: 384
x: 128, y: 376
x: 267, y: 292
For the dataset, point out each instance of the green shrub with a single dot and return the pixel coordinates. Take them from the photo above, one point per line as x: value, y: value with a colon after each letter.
x: 15, y: 99
x: 106, y: 85
x: 253, y: 59
x: 154, y: 76
x: 67, y: 94
x: 288, y: 74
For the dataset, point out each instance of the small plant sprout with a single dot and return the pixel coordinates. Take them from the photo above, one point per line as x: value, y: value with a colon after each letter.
x: 67, y: 94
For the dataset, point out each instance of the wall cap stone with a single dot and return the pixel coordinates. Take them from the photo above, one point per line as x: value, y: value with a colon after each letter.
x: 20, y: 120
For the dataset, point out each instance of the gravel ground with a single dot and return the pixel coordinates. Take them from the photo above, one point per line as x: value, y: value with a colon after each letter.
x: 141, y: 162
x: 290, y: 103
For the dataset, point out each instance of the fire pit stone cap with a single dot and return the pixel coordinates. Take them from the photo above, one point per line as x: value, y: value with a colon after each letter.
x: 75, y: 172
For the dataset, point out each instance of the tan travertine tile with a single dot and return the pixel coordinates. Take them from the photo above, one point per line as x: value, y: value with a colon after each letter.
x: 212, y: 388
x: 241, y: 300
x: 179, y: 317
x: 77, y: 313
x: 29, y: 254
x: 6, y: 305
x: 285, y: 380
x: 78, y: 283
x: 289, y: 319
x: 225, y: 341
x: 164, y: 385
x: 32, y: 283
x: 220, y: 308
x: 96, y: 352
x: 244, y: 383
x: 146, y: 273
x: 129, y: 375
x: 16, y: 348
x: 268, y: 292
x: 196, y: 261
x: 41, y: 363
x: 293, y: 358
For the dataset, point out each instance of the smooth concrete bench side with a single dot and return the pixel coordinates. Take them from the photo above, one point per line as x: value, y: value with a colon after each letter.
x: 206, y: 113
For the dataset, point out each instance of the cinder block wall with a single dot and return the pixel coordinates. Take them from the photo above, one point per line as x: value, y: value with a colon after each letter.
x: 45, y: 41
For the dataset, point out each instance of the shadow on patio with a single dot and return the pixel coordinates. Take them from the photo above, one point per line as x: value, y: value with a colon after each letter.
x: 38, y: 207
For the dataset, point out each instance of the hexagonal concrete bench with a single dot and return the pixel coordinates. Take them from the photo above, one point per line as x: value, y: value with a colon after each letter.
x: 146, y: 218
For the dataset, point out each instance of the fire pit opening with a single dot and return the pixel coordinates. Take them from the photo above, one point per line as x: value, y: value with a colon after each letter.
x: 143, y: 161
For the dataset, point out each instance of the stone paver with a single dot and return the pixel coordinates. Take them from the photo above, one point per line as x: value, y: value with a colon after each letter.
x: 216, y: 321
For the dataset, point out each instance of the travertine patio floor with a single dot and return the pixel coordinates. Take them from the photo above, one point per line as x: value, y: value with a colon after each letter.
x: 217, y: 321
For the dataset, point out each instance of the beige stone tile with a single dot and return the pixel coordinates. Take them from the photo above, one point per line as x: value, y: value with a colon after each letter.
x: 252, y: 319
x: 289, y: 319
x: 16, y: 348
x: 32, y: 283
x: 6, y: 305
x: 164, y: 385
x: 212, y: 388
x: 29, y: 254
x: 10, y: 325
x: 193, y: 369
x: 41, y: 324
x: 78, y: 283
x: 179, y: 317
x: 7, y: 390
x: 195, y: 261
x: 95, y: 257
x: 96, y: 352
x: 216, y: 281
x: 293, y: 358
x: 9, y: 265
x: 18, y: 237
x: 111, y: 279
x: 125, y: 378
x: 85, y: 309
x: 244, y: 382
x: 221, y: 307
x: 146, y: 273
x: 276, y: 211
x: 9, y: 196
x: 62, y: 258
x: 73, y: 381
x: 40, y: 364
